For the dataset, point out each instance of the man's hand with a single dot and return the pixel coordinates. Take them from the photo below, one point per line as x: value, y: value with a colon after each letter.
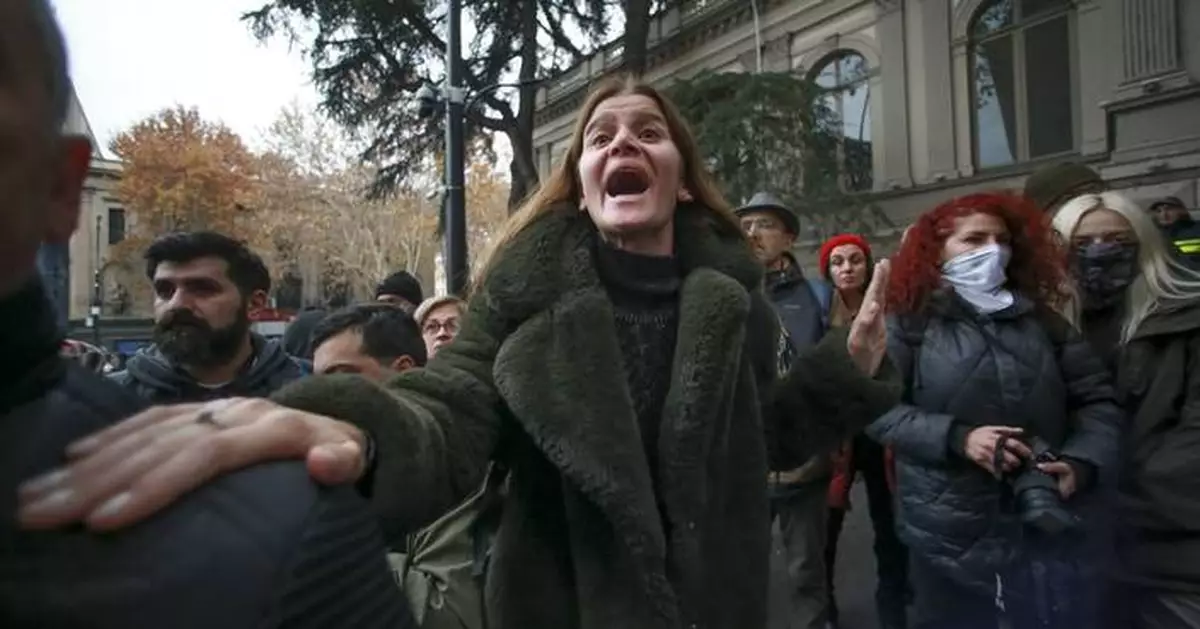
x: 125, y: 473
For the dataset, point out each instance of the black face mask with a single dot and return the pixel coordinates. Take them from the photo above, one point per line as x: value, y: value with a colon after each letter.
x: 1104, y: 271
x: 186, y: 339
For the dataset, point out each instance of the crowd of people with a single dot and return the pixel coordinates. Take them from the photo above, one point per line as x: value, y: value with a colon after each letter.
x: 642, y: 390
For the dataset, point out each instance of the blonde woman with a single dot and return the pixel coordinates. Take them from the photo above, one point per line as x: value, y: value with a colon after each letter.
x: 1141, y: 309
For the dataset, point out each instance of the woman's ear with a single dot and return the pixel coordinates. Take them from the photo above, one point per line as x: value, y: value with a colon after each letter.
x: 684, y: 195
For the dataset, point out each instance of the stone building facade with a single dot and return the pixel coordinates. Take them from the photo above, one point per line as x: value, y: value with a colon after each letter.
x: 951, y: 96
x: 69, y: 271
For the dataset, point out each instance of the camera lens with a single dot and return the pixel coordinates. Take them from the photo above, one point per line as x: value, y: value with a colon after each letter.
x: 1038, y: 500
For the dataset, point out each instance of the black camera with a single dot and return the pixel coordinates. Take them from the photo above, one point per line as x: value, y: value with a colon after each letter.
x: 1036, y: 492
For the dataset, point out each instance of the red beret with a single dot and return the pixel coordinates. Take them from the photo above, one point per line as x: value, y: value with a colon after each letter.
x: 837, y: 241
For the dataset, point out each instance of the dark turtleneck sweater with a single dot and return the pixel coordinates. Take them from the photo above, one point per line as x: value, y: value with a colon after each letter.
x: 645, y: 294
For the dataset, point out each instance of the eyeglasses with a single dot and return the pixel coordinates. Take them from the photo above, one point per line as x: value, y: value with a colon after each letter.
x: 434, y: 327
x: 751, y: 225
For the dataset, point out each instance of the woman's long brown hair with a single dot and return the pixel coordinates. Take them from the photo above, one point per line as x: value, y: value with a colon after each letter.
x: 563, y: 183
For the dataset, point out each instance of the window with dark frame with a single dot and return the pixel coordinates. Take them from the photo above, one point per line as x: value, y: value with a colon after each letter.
x: 116, y: 225
x: 1022, y: 81
x: 844, y: 80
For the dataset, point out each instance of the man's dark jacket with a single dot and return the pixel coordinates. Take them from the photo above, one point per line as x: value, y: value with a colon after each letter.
x: 260, y: 548
x: 1159, y: 382
x: 800, y: 310
x: 153, y: 378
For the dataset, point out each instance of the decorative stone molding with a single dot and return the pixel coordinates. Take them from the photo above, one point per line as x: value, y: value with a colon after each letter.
x: 815, y: 57
x: 777, y: 54
x: 884, y: 7
x: 960, y: 24
x: 715, y: 23
x: 1150, y: 38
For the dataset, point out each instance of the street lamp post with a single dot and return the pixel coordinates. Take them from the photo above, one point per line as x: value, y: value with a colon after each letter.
x: 453, y: 98
x: 456, y: 203
x: 95, y: 310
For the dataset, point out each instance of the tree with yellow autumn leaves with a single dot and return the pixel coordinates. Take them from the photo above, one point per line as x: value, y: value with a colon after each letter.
x: 181, y: 172
x: 301, y: 202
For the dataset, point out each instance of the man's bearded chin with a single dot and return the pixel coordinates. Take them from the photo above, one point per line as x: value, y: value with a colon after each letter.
x: 186, y: 339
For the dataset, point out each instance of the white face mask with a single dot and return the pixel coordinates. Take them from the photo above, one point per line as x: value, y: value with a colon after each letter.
x: 978, y: 277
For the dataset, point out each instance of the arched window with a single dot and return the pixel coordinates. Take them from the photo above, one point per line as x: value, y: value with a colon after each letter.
x: 1022, y: 78
x: 844, y: 81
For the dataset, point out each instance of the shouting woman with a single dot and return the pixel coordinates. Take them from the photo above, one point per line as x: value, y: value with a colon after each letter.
x: 1008, y: 418
x: 618, y: 358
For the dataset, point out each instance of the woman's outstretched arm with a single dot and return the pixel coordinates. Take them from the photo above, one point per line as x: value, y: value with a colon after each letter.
x: 433, y: 430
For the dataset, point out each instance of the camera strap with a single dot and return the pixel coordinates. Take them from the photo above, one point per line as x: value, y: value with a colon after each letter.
x: 998, y: 453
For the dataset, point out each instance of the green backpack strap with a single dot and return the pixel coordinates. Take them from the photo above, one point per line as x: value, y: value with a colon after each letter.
x: 487, y: 520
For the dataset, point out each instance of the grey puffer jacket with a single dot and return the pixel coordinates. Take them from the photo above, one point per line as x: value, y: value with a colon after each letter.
x: 964, y: 369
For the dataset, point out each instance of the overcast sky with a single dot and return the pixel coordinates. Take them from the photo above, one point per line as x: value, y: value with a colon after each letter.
x: 131, y: 58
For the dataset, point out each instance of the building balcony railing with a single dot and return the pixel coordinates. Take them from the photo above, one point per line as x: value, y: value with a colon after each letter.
x: 663, y: 26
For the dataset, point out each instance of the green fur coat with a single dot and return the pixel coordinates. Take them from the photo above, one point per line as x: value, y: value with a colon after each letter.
x: 534, y: 380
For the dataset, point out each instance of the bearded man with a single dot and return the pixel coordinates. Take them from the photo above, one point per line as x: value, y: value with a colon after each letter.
x: 206, y: 285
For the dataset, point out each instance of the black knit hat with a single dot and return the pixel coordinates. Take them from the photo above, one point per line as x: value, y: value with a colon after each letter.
x: 1054, y: 184
x: 767, y: 202
x: 403, y: 285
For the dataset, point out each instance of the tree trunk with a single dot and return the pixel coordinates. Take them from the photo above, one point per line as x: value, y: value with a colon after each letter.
x: 523, y: 169
x: 637, y: 32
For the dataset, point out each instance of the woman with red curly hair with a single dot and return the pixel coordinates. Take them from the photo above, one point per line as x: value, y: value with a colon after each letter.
x: 1007, y: 415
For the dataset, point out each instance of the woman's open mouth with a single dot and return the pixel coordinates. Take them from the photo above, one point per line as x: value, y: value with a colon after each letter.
x: 626, y: 182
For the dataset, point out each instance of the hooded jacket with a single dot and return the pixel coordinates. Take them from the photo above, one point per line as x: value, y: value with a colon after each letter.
x: 152, y: 377
x: 1158, y: 379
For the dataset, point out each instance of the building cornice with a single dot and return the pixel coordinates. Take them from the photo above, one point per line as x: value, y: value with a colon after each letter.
x: 692, y: 32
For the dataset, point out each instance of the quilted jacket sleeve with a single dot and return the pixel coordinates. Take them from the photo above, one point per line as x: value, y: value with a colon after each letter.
x: 1092, y: 403
x: 912, y: 432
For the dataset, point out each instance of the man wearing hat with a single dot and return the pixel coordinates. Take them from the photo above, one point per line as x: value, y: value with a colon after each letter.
x: 402, y: 289
x: 798, y: 496
x: 1052, y: 186
x: 1179, y: 229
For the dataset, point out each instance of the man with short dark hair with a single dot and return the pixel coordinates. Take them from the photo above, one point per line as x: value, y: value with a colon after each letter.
x: 440, y: 567
x: 206, y: 285
x: 264, y: 548
x: 401, y: 289
x: 368, y: 339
